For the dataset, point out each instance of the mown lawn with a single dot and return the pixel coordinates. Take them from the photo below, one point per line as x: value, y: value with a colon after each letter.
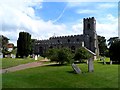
x: 9, y: 62
x: 104, y: 76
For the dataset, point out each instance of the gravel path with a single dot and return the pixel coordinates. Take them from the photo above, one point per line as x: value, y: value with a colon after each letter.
x: 24, y: 66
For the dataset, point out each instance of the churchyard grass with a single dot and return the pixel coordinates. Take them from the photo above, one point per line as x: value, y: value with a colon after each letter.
x: 104, y: 76
x: 9, y: 62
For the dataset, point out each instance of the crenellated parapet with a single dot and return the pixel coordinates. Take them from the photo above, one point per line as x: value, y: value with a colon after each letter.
x: 89, y: 19
x: 62, y: 37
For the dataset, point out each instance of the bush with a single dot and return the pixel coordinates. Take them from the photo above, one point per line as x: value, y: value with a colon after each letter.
x: 61, y: 56
x: 81, y: 54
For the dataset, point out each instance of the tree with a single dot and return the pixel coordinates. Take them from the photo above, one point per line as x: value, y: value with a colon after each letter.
x: 24, y: 44
x: 3, y: 45
x: 32, y: 46
x: 61, y: 56
x: 114, y: 51
x: 14, y: 51
x: 112, y: 40
x: 103, y: 50
x: 82, y: 53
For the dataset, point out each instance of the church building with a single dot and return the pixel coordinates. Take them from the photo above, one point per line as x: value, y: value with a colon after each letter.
x: 88, y: 39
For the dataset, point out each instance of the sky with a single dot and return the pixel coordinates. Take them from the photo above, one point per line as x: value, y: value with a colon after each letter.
x: 43, y: 19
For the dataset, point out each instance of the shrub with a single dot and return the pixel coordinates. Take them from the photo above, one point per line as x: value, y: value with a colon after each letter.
x: 61, y: 56
x: 81, y: 54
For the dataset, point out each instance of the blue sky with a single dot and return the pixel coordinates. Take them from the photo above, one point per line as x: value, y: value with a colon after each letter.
x: 45, y: 19
x: 52, y: 10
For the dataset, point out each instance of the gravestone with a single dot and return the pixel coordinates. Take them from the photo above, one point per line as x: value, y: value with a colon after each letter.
x: 36, y: 57
x: 76, y: 69
x: 12, y: 55
x: 33, y: 56
x: 1, y: 55
x: 90, y: 65
x: 87, y: 62
x: 103, y: 59
x: 110, y: 62
x: 104, y: 62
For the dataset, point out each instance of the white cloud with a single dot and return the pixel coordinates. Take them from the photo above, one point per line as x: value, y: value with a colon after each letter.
x: 106, y: 5
x: 18, y: 15
x: 78, y: 27
x: 109, y: 27
x: 24, y: 6
x: 86, y: 11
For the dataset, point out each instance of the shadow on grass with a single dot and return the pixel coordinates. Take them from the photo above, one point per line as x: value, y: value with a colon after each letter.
x: 79, y: 62
x: 73, y: 72
x: 56, y: 65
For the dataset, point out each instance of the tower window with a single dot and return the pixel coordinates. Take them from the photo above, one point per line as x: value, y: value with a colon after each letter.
x: 88, y: 26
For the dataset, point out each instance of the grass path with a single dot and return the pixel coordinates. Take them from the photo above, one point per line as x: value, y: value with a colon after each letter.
x: 24, y: 66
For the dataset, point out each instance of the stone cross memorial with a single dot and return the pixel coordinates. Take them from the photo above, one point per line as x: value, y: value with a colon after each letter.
x: 76, y: 69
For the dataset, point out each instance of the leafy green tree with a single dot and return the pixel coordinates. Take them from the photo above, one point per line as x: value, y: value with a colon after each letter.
x: 3, y: 45
x: 52, y: 54
x: 61, y: 56
x: 114, y: 51
x: 14, y: 51
x: 103, y: 50
x: 23, y: 44
x: 112, y: 40
x: 81, y: 54
x: 32, y: 46
x: 5, y: 52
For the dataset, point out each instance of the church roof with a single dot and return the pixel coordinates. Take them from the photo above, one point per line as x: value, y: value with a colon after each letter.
x: 90, y: 51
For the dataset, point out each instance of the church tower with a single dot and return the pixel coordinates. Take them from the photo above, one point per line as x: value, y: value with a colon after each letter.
x: 90, y: 35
